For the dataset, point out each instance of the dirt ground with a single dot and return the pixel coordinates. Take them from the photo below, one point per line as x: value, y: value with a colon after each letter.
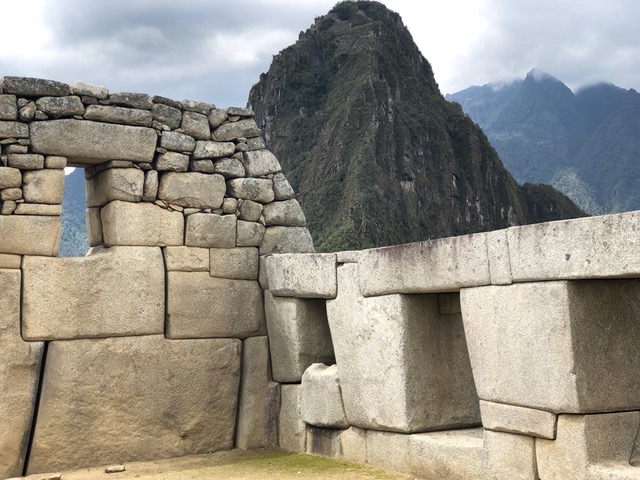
x: 236, y: 465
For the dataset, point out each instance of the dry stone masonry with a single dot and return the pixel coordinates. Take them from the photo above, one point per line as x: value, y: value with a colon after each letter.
x: 201, y: 319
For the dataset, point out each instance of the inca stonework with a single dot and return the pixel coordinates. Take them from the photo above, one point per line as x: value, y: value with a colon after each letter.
x: 201, y: 319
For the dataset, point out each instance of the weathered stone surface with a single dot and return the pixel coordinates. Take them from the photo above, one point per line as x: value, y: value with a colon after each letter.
x: 210, y: 149
x: 211, y: 230
x: 249, y: 234
x: 192, y: 190
x: 240, y: 112
x: 8, y: 107
x: 229, y: 168
x: 60, y: 106
x: 216, y: 117
x: 590, y: 247
x: 202, y: 166
x: 131, y: 413
x: 196, y: 125
x: 26, y: 161
x: 250, y: 211
x: 178, y: 142
x: 141, y: 224
x: 256, y: 143
x: 43, y: 186
x: 499, y: 261
x: 287, y: 213
x: 409, y: 370
x: 545, y: 346
x: 166, y: 115
x: 256, y: 189
x: 150, y: 189
x: 34, y: 87
x: 89, y: 90
x: 127, y: 116
x: 20, y: 364
x: 10, y: 261
x: 234, y: 130
x: 37, y: 209
x: 519, y: 420
x: 172, y: 161
x: 200, y: 306
x: 28, y: 112
x: 282, y: 188
x: 186, y: 259
x: 132, y: 100
x: 30, y: 235
x: 94, y: 226
x: 238, y: 263
x: 13, y: 130
x: 292, y: 434
x: 321, y: 397
x: 451, y: 455
x: 286, y: 240
x: 87, y: 142
x: 298, y: 336
x: 8, y: 207
x: 349, y: 444
x: 259, y: 404
x: 93, y: 170
x: 229, y: 205
x: 590, y: 447
x: 73, y: 297
x: 310, y: 275
x: 196, y: 106
x: 433, y: 266
x: 259, y: 163
x: 126, y: 184
x: 10, y: 178
x: 55, y: 162
x: 510, y: 457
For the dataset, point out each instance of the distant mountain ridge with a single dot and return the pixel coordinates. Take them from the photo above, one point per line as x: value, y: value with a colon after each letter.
x: 376, y: 154
x: 586, y: 144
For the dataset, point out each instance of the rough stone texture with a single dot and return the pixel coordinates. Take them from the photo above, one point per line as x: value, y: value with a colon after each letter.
x: 292, y: 434
x: 409, y: 370
x: 590, y: 447
x: 10, y: 177
x: 287, y: 213
x: 34, y: 87
x: 210, y: 230
x: 234, y: 130
x: 10, y: 261
x: 211, y: 149
x: 154, y: 399
x: 548, y: 345
x: 195, y: 106
x: 13, y: 130
x: 311, y: 275
x: 132, y: 100
x: 499, y: 260
x: 260, y: 163
x: 26, y: 161
x: 55, y: 162
x: 259, y: 403
x: 126, y: 184
x: 86, y: 142
x: 94, y: 227
x: 60, y: 106
x: 166, y: 115
x: 195, y: 125
x: 38, y: 209
x: 11, y: 194
x: 173, y: 162
x: 20, y: 364
x: 286, y: 240
x: 186, y: 259
x: 590, y: 247
x: 257, y: 189
x: 202, y: 166
x: 8, y: 107
x: 452, y: 455
x: 7, y: 207
x: 229, y: 168
x: 178, y: 142
x: 141, y: 224
x: 111, y: 292
x: 250, y: 211
x: 192, y: 190
x: 216, y: 117
x: 281, y: 187
x: 510, y: 457
x: 200, y: 306
x: 440, y: 265
x: 89, y: 90
x: 249, y: 234
x: 150, y: 190
x: 30, y: 235
x: 236, y: 263
x: 349, y: 444
x: 520, y: 420
x: 321, y: 397
x: 298, y: 336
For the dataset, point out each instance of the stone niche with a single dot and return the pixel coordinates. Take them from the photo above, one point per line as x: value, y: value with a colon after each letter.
x: 142, y: 338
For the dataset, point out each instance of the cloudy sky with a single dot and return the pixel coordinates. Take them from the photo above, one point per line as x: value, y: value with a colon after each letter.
x: 215, y: 50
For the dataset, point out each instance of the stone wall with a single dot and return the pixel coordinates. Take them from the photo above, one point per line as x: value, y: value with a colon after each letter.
x: 154, y: 344
x: 201, y: 319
